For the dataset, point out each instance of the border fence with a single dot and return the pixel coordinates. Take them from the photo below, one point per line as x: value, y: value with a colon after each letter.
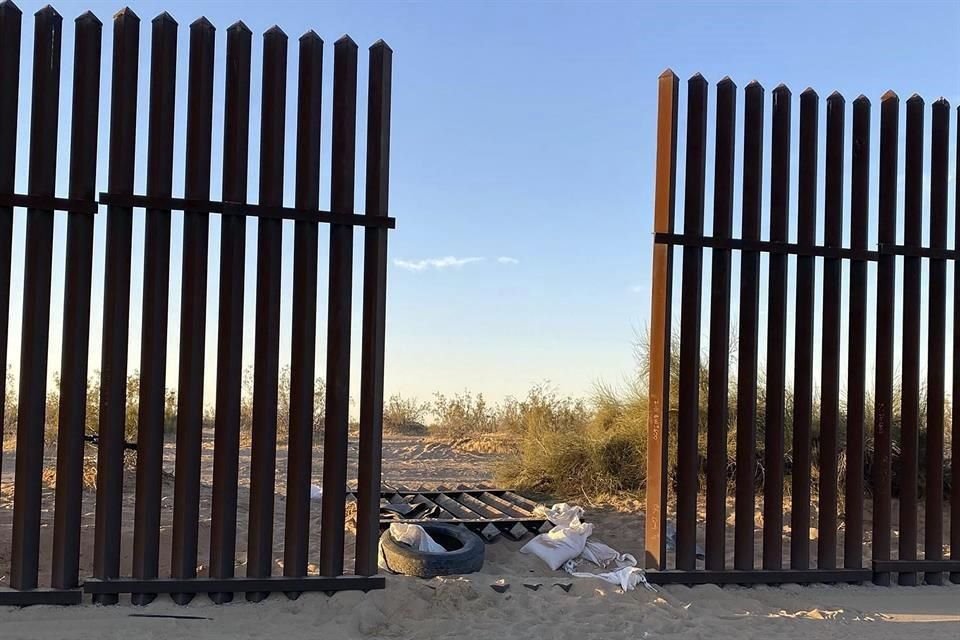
x: 82, y: 205
x: 869, y: 450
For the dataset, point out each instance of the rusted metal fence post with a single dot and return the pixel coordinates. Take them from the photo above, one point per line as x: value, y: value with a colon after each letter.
x: 38, y: 266
x: 749, y: 328
x: 886, y: 292
x: 226, y: 449
x: 156, y: 283
x: 856, y: 385
x: 374, y: 308
x: 340, y: 287
x: 830, y: 356
x: 658, y: 425
x: 910, y: 399
x: 10, y: 19
x: 267, y: 348
x: 116, y: 301
x: 304, y: 340
x: 803, y: 334
x: 776, y: 333
x: 719, y: 378
x: 76, y: 305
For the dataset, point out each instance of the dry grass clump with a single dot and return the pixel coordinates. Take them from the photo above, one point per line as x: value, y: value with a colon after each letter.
x: 568, y: 447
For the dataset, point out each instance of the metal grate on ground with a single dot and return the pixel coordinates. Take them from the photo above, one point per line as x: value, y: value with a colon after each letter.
x: 486, y: 511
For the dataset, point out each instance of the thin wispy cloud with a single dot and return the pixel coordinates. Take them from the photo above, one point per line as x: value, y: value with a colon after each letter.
x: 435, y: 263
x: 448, y: 262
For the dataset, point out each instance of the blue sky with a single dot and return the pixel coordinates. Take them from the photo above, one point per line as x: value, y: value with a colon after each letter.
x: 522, y: 164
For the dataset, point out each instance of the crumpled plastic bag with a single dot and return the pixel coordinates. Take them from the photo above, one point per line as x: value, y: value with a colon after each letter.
x: 627, y: 577
x: 560, y: 514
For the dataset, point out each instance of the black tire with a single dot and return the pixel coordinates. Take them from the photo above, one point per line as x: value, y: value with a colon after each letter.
x: 465, y: 555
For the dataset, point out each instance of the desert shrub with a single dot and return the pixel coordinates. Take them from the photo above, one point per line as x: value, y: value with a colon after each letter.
x: 404, y: 416
x: 283, y: 406
x: 568, y: 447
x: 463, y: 415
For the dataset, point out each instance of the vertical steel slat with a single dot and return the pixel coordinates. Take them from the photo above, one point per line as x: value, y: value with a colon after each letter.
x: 954, y: 429
x: 803, y: 347
x: 156, y: 281
x: 267, y: 347
x: 116, y: 301
x: 226, y: 449
x: 688, y: 418
x: 718, y: 398
x: 936, y: 335
x: 343, y: 145
x: 749, y: 328
x: 856, y: 380
x: 38, y: 264
x: 910, y: 402
x: 10, y: 19
x: 886, y: 292
x: 374, y: 309
x: 830, y: 356
x: 193, y: 306
x: 776, y: 333
x: 658, y: 426
x: 304, y: 331
x: 76, y: 304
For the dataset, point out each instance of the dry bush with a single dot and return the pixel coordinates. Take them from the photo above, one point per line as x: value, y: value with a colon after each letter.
x: 404, y: 416
x: 569, y: 448
x: 462, y: 416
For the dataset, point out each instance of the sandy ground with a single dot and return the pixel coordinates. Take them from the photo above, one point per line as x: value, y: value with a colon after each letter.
x: 467, y: 607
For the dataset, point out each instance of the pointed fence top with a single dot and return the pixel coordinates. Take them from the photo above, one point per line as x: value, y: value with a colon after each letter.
x: 88, y: 17
x: 889, y: 95
x: 275, y: 32
x: 754, y: 85
x: 8, y: 6
x: 126, y: 14
x: 697, y: 78
x: 668, y: 73
x: 809, y: 93
x: 165, y: 18
x: 345, y: 41
x: 239, y: 25
x: 782, y: 89
x: 48, y: 12
x: 861, y: 100
x: 915, y: 99
x: 941, y: 103
x: 381, y: 44
x: 202, y: 23
x: 836, y: 96
x: 726, y: 81
x: 311, y: 36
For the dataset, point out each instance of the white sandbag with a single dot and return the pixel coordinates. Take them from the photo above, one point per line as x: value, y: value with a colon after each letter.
x: 560, y: 544
x: 413, y: 535
x: 567, y: 545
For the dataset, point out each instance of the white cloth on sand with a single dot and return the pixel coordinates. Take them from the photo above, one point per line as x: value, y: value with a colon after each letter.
x: 568, y: 545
